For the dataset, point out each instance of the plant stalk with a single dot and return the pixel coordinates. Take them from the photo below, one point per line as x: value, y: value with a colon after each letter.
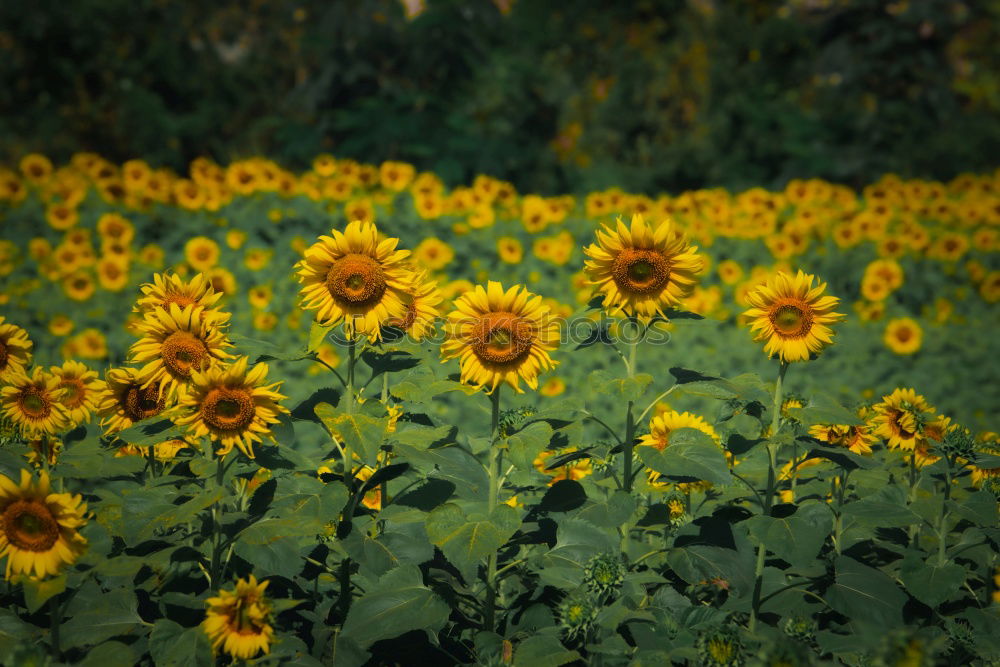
x: 495, y: 465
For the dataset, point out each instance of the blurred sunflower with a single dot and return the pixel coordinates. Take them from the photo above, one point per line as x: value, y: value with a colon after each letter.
x: 112, y: 274
x: 116, y: 228
x: 79, y: 286
x: 792, y: 316
x: 175, y: 343
x: 433, y: 253
x: 123, y: 400
x: 202, y: 253
x: 60, y: 325
x: 33, y: 403
x: 421, y: 302
x: 355, y: 278
x: 80, y: 389
x: 39, y: 532
x: 641, y: 270
x: 171, y: 289
x: 238, y: 621
x: 15, y: 350
x: 233, y: 406
x: 36, y: 167
x: 61, y: 216
x: 509, y: 249
x: 500, y: 336
x: 903, y: 335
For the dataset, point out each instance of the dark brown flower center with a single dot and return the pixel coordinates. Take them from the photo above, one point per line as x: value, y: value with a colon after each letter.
x: 502, y: 337
x: 141, y: 403
x: 74, y: 392
x: 183, y: 352
x: 903, y: 334
x: 34, y: 402
x: 640, y: 271
x: 30, y: 526
x: 356, y: 279
x: 4, y: 355
x: 228, y: 408
x: 791, y: 320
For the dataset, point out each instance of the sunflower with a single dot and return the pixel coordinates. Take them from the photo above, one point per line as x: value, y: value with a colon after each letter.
x: 730, y: 272
x: 233, y: 406
x: 903, y: 335
x: 354, y: 277
x: 80, y: 389
x: 202, y: 253
x: 238, y: 621
x: 510, y: 250
x: 112, y: 274
x: 572, y: 470
x: 858, y: 439
x: 433, y: 253
x: 792, y: 316
x: 168, y: 289
x: 500, y: 336
x: 123, y: 400
x: 115, y: 227
x: 641, y: 270
x: 43, y: 452
x: 61, y: 216
x: 662, y: 425
x: 36, y: 167
x: 174, y: 344
x: 421, y: 302
x: 79, y: 286
x: 902, y: 419
x: 554, y: 386
x: 38, y: 533
x: 15, y: 350
x: 33, y: 402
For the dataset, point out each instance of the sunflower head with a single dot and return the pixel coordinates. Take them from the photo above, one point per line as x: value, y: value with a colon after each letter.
x: 641, y: 270
x: 15, y: 350
x: 662, y: 425
x: 500, y: 336
x: 902, y: 419
x: 172, y: 289
x: 238, y: 622
x: 38, y: 528
x: 791, y: 316
x: 233, y: 406
x: 421, y: 303
x: 354, y: 278
x: 80, y: 389
x: 124, y: 400
x: 34, y: 403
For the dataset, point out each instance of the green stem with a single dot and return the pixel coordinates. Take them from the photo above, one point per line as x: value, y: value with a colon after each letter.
x: 55, y: 610
x: 495, y: 464
x: 628, y: 444
x: 214, y: 572
x: 943, y: 519
x: 349, y: 408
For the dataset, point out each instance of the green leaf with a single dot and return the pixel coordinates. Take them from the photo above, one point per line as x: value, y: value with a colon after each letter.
x: 262, y: 350
x: 525, y: 445
x: 577, y: 541
x: 172, y: 645
x: 399, y: 603
x: 824, y: 409
x: 626, y: 388
x: 794, y: 538
x: 111, y: 654
x: 933, y: 584
x: 317, y: 334
x: 868, y: 597
x: 95, y: 616
x: 612, y: 513
x: 465, y: 540
x: 273, y: 529
x: 979, y: 507
x: 88, y: 460
x: 37, y: 593
x: 543, y: 651
x: 364, y: 434
x: 416, y: 435
x: 876, y: 513
x: 690, y: 454
x: 150, y: 432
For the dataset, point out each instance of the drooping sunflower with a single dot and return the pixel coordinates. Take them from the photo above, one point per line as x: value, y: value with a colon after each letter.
x: 641, y: 270
x: 421, y: 302
x: 903, y: 335
x: 902, y: 419
x: 661, y: 426
x: 33, y: 403
x: 80, y: 389
x: 500, y: 336
x: 239, y: 621
x: 39, y: 529
x: 355, y: 278
x: 792, y: 316
x: 124, y: 401
x: 233, y: 406
x: 167, y: 289
x: 176, y: 343
x: 15, y: 350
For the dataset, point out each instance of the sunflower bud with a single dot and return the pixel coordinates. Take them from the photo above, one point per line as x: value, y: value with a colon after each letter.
x: 604, y: 574
x: 576, y: 616
x: 802, y: 628
x: 720, y: 647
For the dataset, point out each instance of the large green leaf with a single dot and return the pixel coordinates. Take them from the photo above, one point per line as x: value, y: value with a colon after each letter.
x: 465, y: 540
x: 363, y: 433
x: 865, y: 595
x: 932, y: 584
x: 172, y: 645
x: 543, y: 651
x: 876, y: 513
x: 625, y: 388
x: 578, y: 540
x: 150, y: 432
x: 795, y: 539
x: 525, y: 445
x: 399, y: 603
x: 94, y: 616
x: 690, y: 454
x: 37, y: 592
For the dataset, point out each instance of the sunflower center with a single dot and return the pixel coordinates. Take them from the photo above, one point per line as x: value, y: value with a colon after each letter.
x: 182, y: 352
x: 502, y: 337
x: 640, y: 271
x: 228, y: 409
x: 791, y: 320
x: 3, y: 356
x: 903, y: 334
x: 30, y: 526
x: 73, y: 392
x: 34, y: 403
x: 141, y: 403
x: 356, y: 279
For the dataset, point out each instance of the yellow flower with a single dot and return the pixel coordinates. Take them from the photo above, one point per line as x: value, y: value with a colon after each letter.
x: 33, y: 403
x: 235, y: 238
x: 15, y: 350
x: 44, y: 451
x: 39, y: 531
x: 123, y: 400
x: 500, y: 336
x: 554, y: 386
x: 433, y: 253
x: 421, y: 301
x: 202, y: 253
x: 510, y: 250
x: 233, y: 406
x: 989, y: 289
x: 641, y: 270
x: 171, y: 289
x: 730, y: 272
x: 662, y: 425
x: 903, y: 335
x: 116, y: 228
x: 79, y: 286
x: 874, y: 287
x: 91, y: 344
x: 238, y: 622
x: 903, y: 418
x: 264, y: 321
x: 61, y: 216
x: 222, y: 280
x: 260, y: 296
x: 573, y: 470
x: 175, y: 343
x: 60, y: 325
x: 792, y: 316
x: 36, y: 167
x: 39, y: 248
x: 256, y: 259
x: 112, y: 274
x: 396, y: 175
x: 858, y: 439
x: 355, y: 278
x: 80, y: 389
x: 324, y: 164
x: 151, y: 255
x: 888, y: 270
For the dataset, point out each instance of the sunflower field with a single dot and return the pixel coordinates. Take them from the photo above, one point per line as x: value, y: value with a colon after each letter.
x: 353, y: 416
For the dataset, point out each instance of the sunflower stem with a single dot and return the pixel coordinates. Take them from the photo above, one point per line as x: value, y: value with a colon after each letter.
x: 55, y: 611
x: 214, y: 571
x: 627, y: 445
x: 349, y: 408
x: 495, y: 464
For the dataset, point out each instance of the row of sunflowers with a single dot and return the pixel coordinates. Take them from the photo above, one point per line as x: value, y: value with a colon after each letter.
x: 432, y: 478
